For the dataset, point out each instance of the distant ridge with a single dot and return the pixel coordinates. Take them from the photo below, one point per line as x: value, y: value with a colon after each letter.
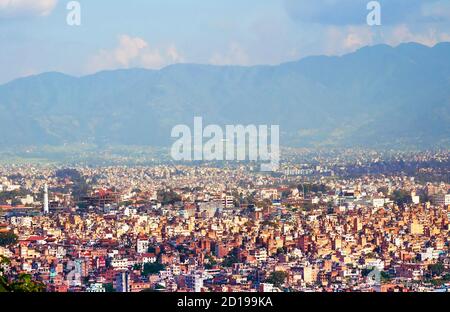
x: 378, y: 96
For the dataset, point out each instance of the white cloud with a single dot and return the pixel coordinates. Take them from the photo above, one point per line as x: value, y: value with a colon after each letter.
x: 133, y: 52
x: 18, y: 8
x: 429, y: 36
x: 340, y: 40
x: 235, y: 55
x: 174, y: 55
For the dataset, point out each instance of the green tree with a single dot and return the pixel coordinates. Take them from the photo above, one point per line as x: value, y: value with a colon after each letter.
x: 446, y: 277
x: 401, y: 197
x: 168, y: 197
x: 11, y: 195
x: 277, y: 278
x: 384, y: 190
x: 152, y: 268
x: 4, y: 287
x: 25, y: 283
x: 436, y: 269
x: 281, y: 251
x: 312, y: 188
x: 385, y: 277
x: 210, y: 262
x: 109, y: 288
x: 7, y: 239
x: 4, y: 260
x: 365, y: 272
x: 231, y: 258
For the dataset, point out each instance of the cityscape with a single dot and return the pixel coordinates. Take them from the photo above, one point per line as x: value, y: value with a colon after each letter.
x: 221, y: 154
x: 370, y: 221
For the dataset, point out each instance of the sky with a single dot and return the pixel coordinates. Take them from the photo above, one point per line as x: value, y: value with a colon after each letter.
x: 35, y: 36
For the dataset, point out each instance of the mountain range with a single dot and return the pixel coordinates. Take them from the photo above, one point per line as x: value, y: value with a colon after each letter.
x: 378, y: 96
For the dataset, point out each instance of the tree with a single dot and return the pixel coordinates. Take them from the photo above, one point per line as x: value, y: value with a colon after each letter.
x: 152, y: 268
x: 80, y: 188
x: 436, y: 269
x: 365, y: 272
x: 210, y: 262
x: 4, y: 260
x: 384, y: 190
x: 281, y: 251
x: 231, y: 259
x: 401, y: 197
x: 4, y: 287
x: 446, y: 277
x: 169, y: 197
x: 385, y: 277
x: 314, y: 188
x: 109, y: 288
x: 12, y: 195
x: 25, y: 283
x: 7, y: 239
x: 277, y: 278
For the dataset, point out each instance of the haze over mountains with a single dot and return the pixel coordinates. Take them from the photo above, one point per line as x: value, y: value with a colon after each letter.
x: 378, y: 96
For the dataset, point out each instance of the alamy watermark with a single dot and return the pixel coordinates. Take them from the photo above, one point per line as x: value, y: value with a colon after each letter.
x: 74, y: 13
x: 235, y: 143
x: 374, y: 278
x: 374, y: 16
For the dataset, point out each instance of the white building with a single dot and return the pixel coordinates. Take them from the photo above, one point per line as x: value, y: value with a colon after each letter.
x: 97, y: 288
x: 415, y: 199
x: 194, y: 282
x: 46, y: 207
x: 123, y: 282
x: 266, y: 287
x: 120, y: 264
x: 378, y: 202
x: 441, y: 199
x: 27, y: 200
x: 260, y: 254
x: 142, y: 245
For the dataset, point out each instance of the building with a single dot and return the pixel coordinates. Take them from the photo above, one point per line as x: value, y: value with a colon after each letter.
x: 46, y: 207
x: 266, y: 287
x: 209, y: 209
x: 441, y: 199
x: 123, y: 282
x: 194, y: 282
x: 259, y: 254
x: 415, y: 228
x: 103, y: 197
x: 97, y: 287
x: 378, y: 202
x: 227, y: 201
x: 142, y: 245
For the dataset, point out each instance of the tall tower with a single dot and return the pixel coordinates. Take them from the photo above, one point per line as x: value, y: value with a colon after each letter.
x: 46, y: 209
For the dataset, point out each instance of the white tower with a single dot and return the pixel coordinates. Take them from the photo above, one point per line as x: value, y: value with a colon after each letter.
x: 46, y: 209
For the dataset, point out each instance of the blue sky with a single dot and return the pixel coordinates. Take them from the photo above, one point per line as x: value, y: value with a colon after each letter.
x: 35, y: 38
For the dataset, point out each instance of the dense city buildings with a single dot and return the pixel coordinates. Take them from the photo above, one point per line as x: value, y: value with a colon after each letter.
x: 337, y: 222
